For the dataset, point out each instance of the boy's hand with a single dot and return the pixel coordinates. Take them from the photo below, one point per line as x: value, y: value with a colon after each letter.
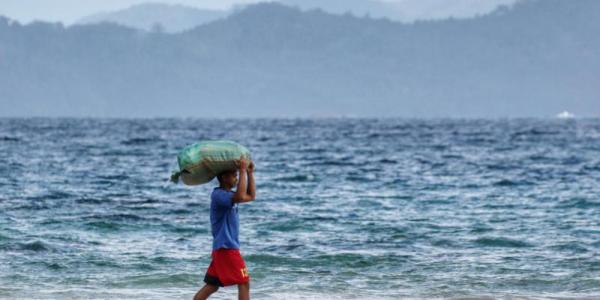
x: 243, y: 164
x: 251, y: 167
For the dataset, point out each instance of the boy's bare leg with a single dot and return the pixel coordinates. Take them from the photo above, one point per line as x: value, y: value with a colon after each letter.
x: 244, y: 291
x: 205, y: 291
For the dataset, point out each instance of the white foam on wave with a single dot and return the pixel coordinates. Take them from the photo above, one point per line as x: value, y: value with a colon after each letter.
x: 565, y: 115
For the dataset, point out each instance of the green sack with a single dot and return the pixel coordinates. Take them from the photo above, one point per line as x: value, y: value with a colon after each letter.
x: 200, y: 162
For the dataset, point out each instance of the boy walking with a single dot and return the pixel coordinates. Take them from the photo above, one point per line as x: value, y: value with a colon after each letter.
x: 227, y: 266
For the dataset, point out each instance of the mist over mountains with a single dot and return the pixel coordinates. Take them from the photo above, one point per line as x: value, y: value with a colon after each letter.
x: 537, y: 58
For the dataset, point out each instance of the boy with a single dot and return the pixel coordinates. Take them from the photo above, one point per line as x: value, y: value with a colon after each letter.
x: 227, y: 266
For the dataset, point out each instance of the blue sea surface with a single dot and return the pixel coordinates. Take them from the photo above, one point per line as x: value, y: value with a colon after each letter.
x: 345, y: 209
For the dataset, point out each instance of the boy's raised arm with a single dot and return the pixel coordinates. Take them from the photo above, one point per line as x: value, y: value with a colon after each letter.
x: 251, y: 184
x: 241, y: 193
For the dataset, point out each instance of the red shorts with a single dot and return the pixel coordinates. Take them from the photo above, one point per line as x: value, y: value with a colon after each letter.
x: 227, y: 268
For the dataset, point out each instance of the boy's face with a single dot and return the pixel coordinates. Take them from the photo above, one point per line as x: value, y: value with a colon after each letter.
x: 230, y: 179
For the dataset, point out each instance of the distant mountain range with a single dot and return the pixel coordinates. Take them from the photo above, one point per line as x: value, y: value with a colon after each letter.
x: 538, y: 58
x: 176, y: 18
x: 157, y: 17
x: 403, y: 11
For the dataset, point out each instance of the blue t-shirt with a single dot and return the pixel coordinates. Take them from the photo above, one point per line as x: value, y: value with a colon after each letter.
x: 224, y: 219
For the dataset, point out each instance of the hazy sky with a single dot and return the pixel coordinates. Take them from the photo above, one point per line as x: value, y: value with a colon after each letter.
x: 68, y: 11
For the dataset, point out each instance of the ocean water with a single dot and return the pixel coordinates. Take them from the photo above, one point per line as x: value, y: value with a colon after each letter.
x: 345, y: 209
